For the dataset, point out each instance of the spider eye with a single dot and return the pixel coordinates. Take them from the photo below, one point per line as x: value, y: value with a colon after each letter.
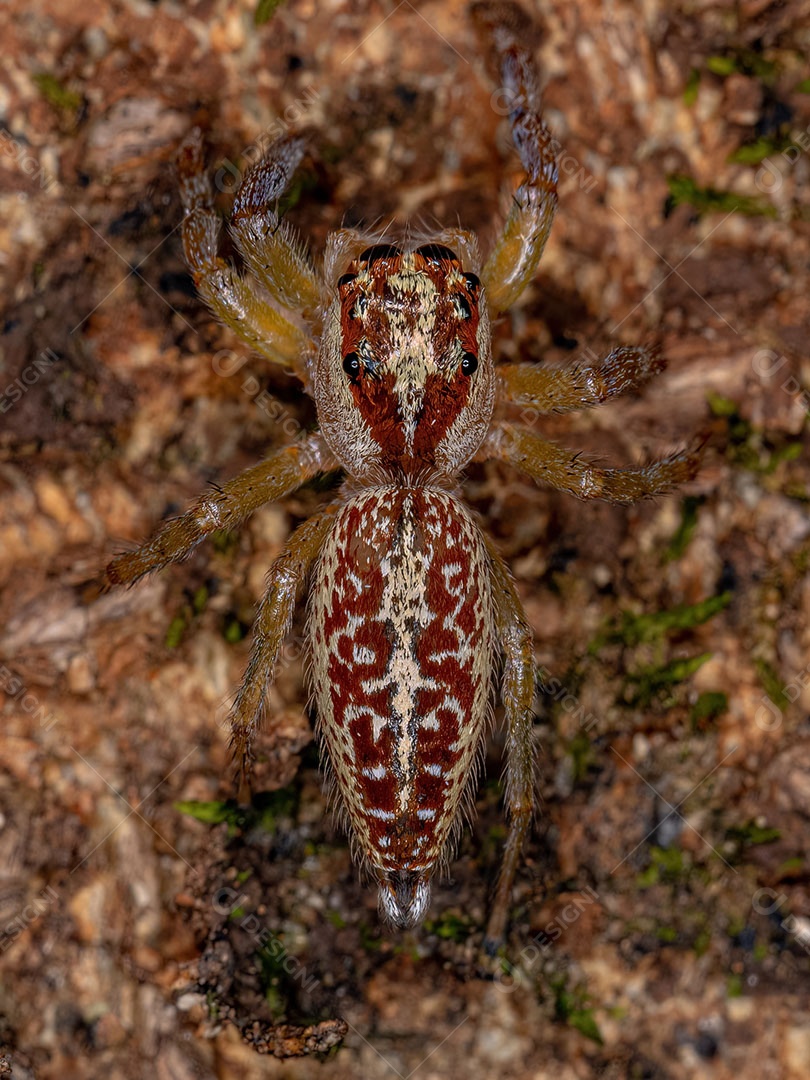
x: 465, y: 311
x: 351, y: 365
x: 469, y: 363
x: 436, y: 253
x: 345, y: 279
x: 473, y: 281
x: 379, y: 251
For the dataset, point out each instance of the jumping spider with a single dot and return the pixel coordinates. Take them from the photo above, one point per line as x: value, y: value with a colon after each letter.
x: 411, y: 612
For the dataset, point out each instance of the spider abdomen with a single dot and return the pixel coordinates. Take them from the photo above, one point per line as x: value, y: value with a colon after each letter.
x: 401, y: 630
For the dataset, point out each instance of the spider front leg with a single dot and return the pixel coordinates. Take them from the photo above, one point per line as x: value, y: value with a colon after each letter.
x: 231, y: 297
x: 285, y: 583
x: 513, y: 261
x: 550, y: 390
x: 226, y: 508
x: 517, y: 694
x: 269, y: 246
x: 560, y: 469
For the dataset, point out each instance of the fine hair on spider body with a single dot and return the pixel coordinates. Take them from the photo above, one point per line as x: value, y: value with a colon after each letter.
x: 414, y: 625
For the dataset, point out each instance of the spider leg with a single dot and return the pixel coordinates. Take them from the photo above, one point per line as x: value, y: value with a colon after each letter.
x: 569, y: 472
x: 517, y: 694
x: 277, y: 476
x: 285, y: 584
x: 561, y: 389
x: 513, y: 261
x: 269, y: 246
x: 230, y: 297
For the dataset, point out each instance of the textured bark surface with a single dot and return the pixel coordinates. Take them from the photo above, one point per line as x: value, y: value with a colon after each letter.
x: 661, y: 921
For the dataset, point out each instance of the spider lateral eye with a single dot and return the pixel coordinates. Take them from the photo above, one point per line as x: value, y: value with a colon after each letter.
x: 351, y: 365
x: 469, y: 363
x: 473, y: 281
x: 436, y: 252
x: 379, y: 251
x: 464, y: 307
x: 345, y: 279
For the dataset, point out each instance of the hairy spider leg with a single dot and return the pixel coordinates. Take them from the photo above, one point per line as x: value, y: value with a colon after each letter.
x: 233, y: 299
x: 517, y: 695
x: 550, y: 464
x: 226, y: 508
x: 579, y: 386
x: 285, y: 585
x: 269, y: 246
x: 513, y: 261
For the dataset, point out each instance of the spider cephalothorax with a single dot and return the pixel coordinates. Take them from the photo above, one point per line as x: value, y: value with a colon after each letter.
x: 404, y: 382
x: 412, y: 612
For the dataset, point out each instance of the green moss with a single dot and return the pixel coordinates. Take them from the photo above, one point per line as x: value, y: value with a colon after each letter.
x: 752, y: 834
x: 234, y: 632
x: 370, y: 937
x: 668, y: 935
x: 274, y: 979
x: 709, y: 706
x: 773, y: 686
x: 56, y: 94
x: 573, y: 1007
x: 270, y: 807
x: 683, y: 534
x: 653, y: 681
x: 734, y: 986
x: 301, y: 184
x: 684, y: 191
x: 582, y: 755
x: 736, y: 926
x: 265, y: 10
x: 742, y: 62
x: 199, y: 600
x: 224, y: 541
x: 721, y: 406
x: 702, y: 941
x: 666, y: 865
x: 791, y: 868
x: 264, y: 813
x: 721, y: 65
x: 753, y: 153
x: 449, y: 927
x: 691, y: 90
x: 803, y: 87
x: 640, y: 629
x: 212, y: 813
x: 789, y: 451
x: 176, y: 631
x: 751, y: 448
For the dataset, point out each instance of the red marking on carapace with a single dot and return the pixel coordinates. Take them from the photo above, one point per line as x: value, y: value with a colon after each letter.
x: 368, y: 298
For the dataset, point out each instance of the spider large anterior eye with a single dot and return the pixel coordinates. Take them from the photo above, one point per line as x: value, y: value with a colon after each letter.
x: 351, y: 365
x: 436, y: 252
x: 469, y: 363
x: 378, y: 251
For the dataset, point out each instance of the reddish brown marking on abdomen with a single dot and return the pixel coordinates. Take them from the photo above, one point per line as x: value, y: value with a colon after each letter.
x: 401, y: 631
